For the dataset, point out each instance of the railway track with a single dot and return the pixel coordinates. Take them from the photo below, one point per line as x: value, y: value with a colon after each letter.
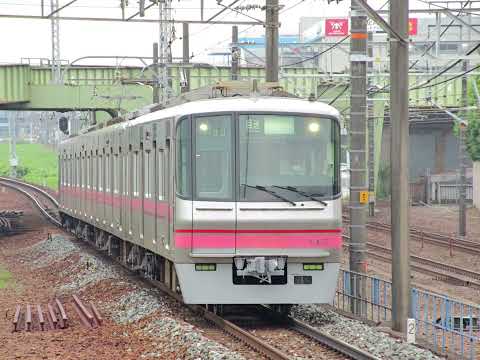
x: 442, y: 240
x: 440, y: 271
x: 332, y: 347
x: 42, y: 200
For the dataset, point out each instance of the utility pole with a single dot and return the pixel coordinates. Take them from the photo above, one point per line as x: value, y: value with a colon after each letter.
x: 156, y: 89
x: 271, y: 35
x: 165, y: 43
x: 358, y: 163
x: 462, y: 195
x: 235, y: 52
x: 186, y: 57
x: 55, y: 29
x: 371, y: 133
x: 12, y: 124
x: 399, y: 117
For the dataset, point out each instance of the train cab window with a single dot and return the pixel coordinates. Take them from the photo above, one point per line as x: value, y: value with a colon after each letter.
x: 214, y: 157
x: 183, y: 154
x: 306, y: 156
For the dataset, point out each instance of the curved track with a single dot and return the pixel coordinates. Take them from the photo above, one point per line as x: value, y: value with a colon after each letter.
x: 42, y: 200
x: 334, y: 348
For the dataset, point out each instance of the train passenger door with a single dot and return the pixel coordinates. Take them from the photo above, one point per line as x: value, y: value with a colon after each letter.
x: 137, y: 186
x: 162, y: 190
x: 116, y: 198
x: 214, y: 218
x: 148, y: 186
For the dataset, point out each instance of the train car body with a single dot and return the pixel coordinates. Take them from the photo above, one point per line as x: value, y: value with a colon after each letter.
x: 228, y: 201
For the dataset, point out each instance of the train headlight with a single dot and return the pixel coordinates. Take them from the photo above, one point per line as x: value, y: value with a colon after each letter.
x: 313, y: 267
x: 314, y: 127
x: 281, y: 263
x: 203, y: 127
x: 205, y: 267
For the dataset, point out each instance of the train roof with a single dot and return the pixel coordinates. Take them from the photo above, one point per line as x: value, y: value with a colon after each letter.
x: 224, y: 96
x: 241, y: 104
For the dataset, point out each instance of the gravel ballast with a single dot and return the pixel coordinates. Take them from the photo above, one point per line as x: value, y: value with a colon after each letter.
x: 185, y: 335
x: 361, y: 335
x: 44, y: 253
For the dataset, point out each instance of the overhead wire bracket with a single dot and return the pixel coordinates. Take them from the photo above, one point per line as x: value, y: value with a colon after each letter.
x: 380, y: 21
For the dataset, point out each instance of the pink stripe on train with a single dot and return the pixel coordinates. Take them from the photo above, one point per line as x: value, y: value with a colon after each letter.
x: 261, y: 240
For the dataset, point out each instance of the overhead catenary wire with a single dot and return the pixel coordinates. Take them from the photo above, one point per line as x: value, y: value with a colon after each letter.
x: 320, y: 53
x: 248, y: 28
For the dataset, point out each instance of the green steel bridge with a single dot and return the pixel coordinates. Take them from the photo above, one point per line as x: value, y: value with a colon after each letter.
x: 117, y: 90
x: 122, y: 89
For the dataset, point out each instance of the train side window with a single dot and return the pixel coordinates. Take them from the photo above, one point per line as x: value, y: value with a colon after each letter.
x: 116, y: 177
x: 128, y: 172
x: 184, y: 159
x: 88, y: 172
x: 107, y: 173
x: 161, y: 175
x: 69, y: 170
x: 136, y: 175
x: 79, y: 171
x: 147, y: 180
x: 100, y: 173
x: 97, y: 174
x: 91, y: 169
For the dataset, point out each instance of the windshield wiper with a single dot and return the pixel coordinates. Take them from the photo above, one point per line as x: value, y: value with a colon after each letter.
x: 307, y: 195
x: 271, y: 192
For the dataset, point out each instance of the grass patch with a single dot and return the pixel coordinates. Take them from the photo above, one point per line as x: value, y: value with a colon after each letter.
x: 5, y: 278
x: 38, y: 163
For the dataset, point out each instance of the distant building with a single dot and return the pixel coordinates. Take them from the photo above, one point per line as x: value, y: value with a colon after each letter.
x: 323, y: 33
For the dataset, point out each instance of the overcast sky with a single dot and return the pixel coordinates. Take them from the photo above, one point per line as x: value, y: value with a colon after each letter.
x: 32, y: 38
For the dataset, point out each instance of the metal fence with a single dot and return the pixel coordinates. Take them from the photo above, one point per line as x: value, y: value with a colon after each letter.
x: 446, y: 325
x: 440, y: 193
x: 448, y: 193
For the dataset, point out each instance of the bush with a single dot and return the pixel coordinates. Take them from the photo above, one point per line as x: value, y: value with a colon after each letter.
x: 473, y: 139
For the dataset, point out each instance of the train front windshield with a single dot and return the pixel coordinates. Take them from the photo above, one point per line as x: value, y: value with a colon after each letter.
x: 266, y: 157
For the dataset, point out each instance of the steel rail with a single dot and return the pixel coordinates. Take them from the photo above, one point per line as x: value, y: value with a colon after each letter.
x: 438, y: 275
x: 230, y: 328
x: 33, y: 187
x: 424, y: 261
x: 16, y: 186
x: 247, y: 338
x: 330, y: 341
x: 443, y: 240
x: 430, y: 262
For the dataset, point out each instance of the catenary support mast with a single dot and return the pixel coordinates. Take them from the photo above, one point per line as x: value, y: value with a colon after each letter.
x: 271, y: 29
x: 358, y: 161
x: 399, y: 117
